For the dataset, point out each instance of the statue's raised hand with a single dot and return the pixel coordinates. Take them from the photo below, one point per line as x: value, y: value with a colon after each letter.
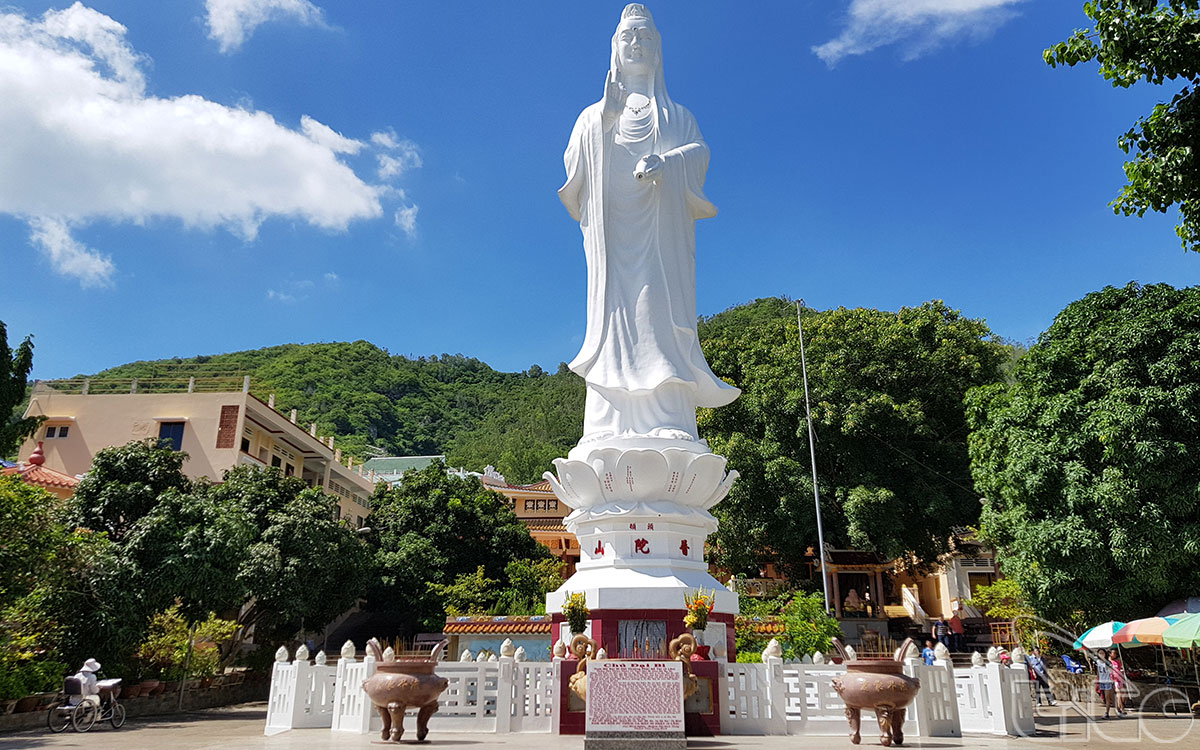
x: 614, y: 97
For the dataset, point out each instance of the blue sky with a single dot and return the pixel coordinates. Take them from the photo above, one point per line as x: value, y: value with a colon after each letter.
x: 195, y: 177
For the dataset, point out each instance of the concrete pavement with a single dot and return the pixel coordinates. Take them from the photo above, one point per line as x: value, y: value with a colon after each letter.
x: 241, y: 728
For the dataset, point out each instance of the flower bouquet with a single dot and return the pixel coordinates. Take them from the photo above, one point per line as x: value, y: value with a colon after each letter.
x: 699, y: 604
x: 576, y: 611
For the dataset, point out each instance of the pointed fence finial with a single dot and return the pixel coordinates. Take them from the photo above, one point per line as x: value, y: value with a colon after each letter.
x: 519, y: 654
x: 818, y: 657
x: 773, y: 650
x: 389, y: 654
x: 349, y: 651
x: 977, y: 659
x: 465, y: 656
x: 993, y: 655
x: 560, y: 649
x: 302, y: 653
x: 282, y: 654
x: 321, y: 659
x: 507, y: 648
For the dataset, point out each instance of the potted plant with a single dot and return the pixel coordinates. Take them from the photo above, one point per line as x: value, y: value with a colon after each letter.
x: 576, y: 611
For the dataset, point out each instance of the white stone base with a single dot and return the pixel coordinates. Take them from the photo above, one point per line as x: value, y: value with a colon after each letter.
x: 643, y: 587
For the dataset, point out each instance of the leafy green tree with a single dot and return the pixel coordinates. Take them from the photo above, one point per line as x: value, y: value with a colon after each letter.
x: 14, y: 374
x: 430, y: 530
x: 1088, y: 460
x: 469, y: 594
x: 123, y: 485
x: 528, y: 583
x: 887, y: 400
x: 30, y: 537
x: 807, y: 628
x: 1152, y: 41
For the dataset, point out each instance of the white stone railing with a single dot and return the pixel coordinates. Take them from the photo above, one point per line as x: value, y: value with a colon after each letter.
x: 756, y: 699
x: 778, y: 698
x: 302, y: 692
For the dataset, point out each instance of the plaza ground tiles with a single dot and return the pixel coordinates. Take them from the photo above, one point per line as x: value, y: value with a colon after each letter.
x: 241, y: 728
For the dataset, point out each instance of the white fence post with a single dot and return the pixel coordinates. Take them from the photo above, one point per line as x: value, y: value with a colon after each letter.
x: 282, y: 695
x: 776, y: 697
x: 1013, y: 700
x: 504, y: 694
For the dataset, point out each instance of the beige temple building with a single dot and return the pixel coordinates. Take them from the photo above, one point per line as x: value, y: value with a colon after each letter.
x: 218, y: 423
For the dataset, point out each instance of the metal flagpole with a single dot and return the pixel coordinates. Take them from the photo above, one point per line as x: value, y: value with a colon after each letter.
x: 812, y: 452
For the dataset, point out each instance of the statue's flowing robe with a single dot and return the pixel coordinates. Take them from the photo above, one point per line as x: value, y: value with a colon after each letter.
x: 641, y: 267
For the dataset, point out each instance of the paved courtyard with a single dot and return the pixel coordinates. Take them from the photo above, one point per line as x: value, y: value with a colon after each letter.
x: 241, y: 727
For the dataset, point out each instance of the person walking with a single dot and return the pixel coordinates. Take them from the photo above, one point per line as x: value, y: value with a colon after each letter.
x: 1104, y: 682
x: 1041, y: 678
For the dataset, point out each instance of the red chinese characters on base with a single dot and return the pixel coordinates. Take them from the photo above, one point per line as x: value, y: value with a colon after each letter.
x: 683, y: 547
x: 641, y: 546
x: 599, y: 551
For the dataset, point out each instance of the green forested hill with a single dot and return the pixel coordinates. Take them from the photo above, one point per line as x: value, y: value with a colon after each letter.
x: 367, y: 397
x: 518, y: 422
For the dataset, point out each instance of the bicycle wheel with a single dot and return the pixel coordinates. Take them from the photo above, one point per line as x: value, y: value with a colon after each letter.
x: 84, y: 716
x: 58, y: 717
x: 118, y: 715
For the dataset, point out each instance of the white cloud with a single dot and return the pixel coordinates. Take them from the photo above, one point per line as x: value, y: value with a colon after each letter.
x: 920, y: 24
x: 291, y: 291
x: 68, y: 256
x: 331, y: 278
x: 82, y: 142
x: 396, y: 156
x: 323, y: 135
x: 406, y: 219
x: 231, y: 22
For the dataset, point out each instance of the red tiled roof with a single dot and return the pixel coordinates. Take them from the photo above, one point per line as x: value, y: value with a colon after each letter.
x: 524, y: 625
x: 40, y: 476
x: 545, y: 524
x: 542, y: 486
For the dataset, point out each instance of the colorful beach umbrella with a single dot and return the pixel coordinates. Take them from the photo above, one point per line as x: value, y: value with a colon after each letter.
x: 1143, y: 632
x: 1100, y: 636
x: 1184, y: 632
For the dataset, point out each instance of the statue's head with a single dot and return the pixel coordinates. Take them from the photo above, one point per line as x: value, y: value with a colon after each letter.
x: 636, y: 46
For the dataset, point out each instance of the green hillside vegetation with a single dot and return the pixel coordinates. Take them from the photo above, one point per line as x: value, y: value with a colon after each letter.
x: 369, y: 398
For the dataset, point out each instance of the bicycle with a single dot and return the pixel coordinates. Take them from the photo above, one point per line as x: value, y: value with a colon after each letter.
x: 82, y: 713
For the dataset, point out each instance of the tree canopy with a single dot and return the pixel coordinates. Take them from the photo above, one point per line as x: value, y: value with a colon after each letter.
x: 887, y: 400
x: 433, y: 529
x: 1152, y: 41
x: 1089, y: 459
x: 14, y: 374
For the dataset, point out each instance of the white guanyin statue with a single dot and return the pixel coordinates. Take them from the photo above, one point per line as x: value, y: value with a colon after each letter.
x: 635, y: 176
x: 640, y: 482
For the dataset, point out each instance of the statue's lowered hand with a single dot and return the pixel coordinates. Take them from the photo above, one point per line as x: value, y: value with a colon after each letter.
x: 649, y: 168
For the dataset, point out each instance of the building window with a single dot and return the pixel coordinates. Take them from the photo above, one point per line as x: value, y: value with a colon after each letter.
x: 170, y: 435
x: 276, y: 461
x: 541, y: 504
x: 245, y: 445
x: 530, y: 504
x: 54, y: 432
x: 289, y: 470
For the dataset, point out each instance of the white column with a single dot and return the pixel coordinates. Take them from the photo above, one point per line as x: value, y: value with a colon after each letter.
x: 776, y: 697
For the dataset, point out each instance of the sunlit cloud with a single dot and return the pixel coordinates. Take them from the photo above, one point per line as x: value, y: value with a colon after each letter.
x: 917, y: 25
x: 83, y: 143
x: 231, y: 22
